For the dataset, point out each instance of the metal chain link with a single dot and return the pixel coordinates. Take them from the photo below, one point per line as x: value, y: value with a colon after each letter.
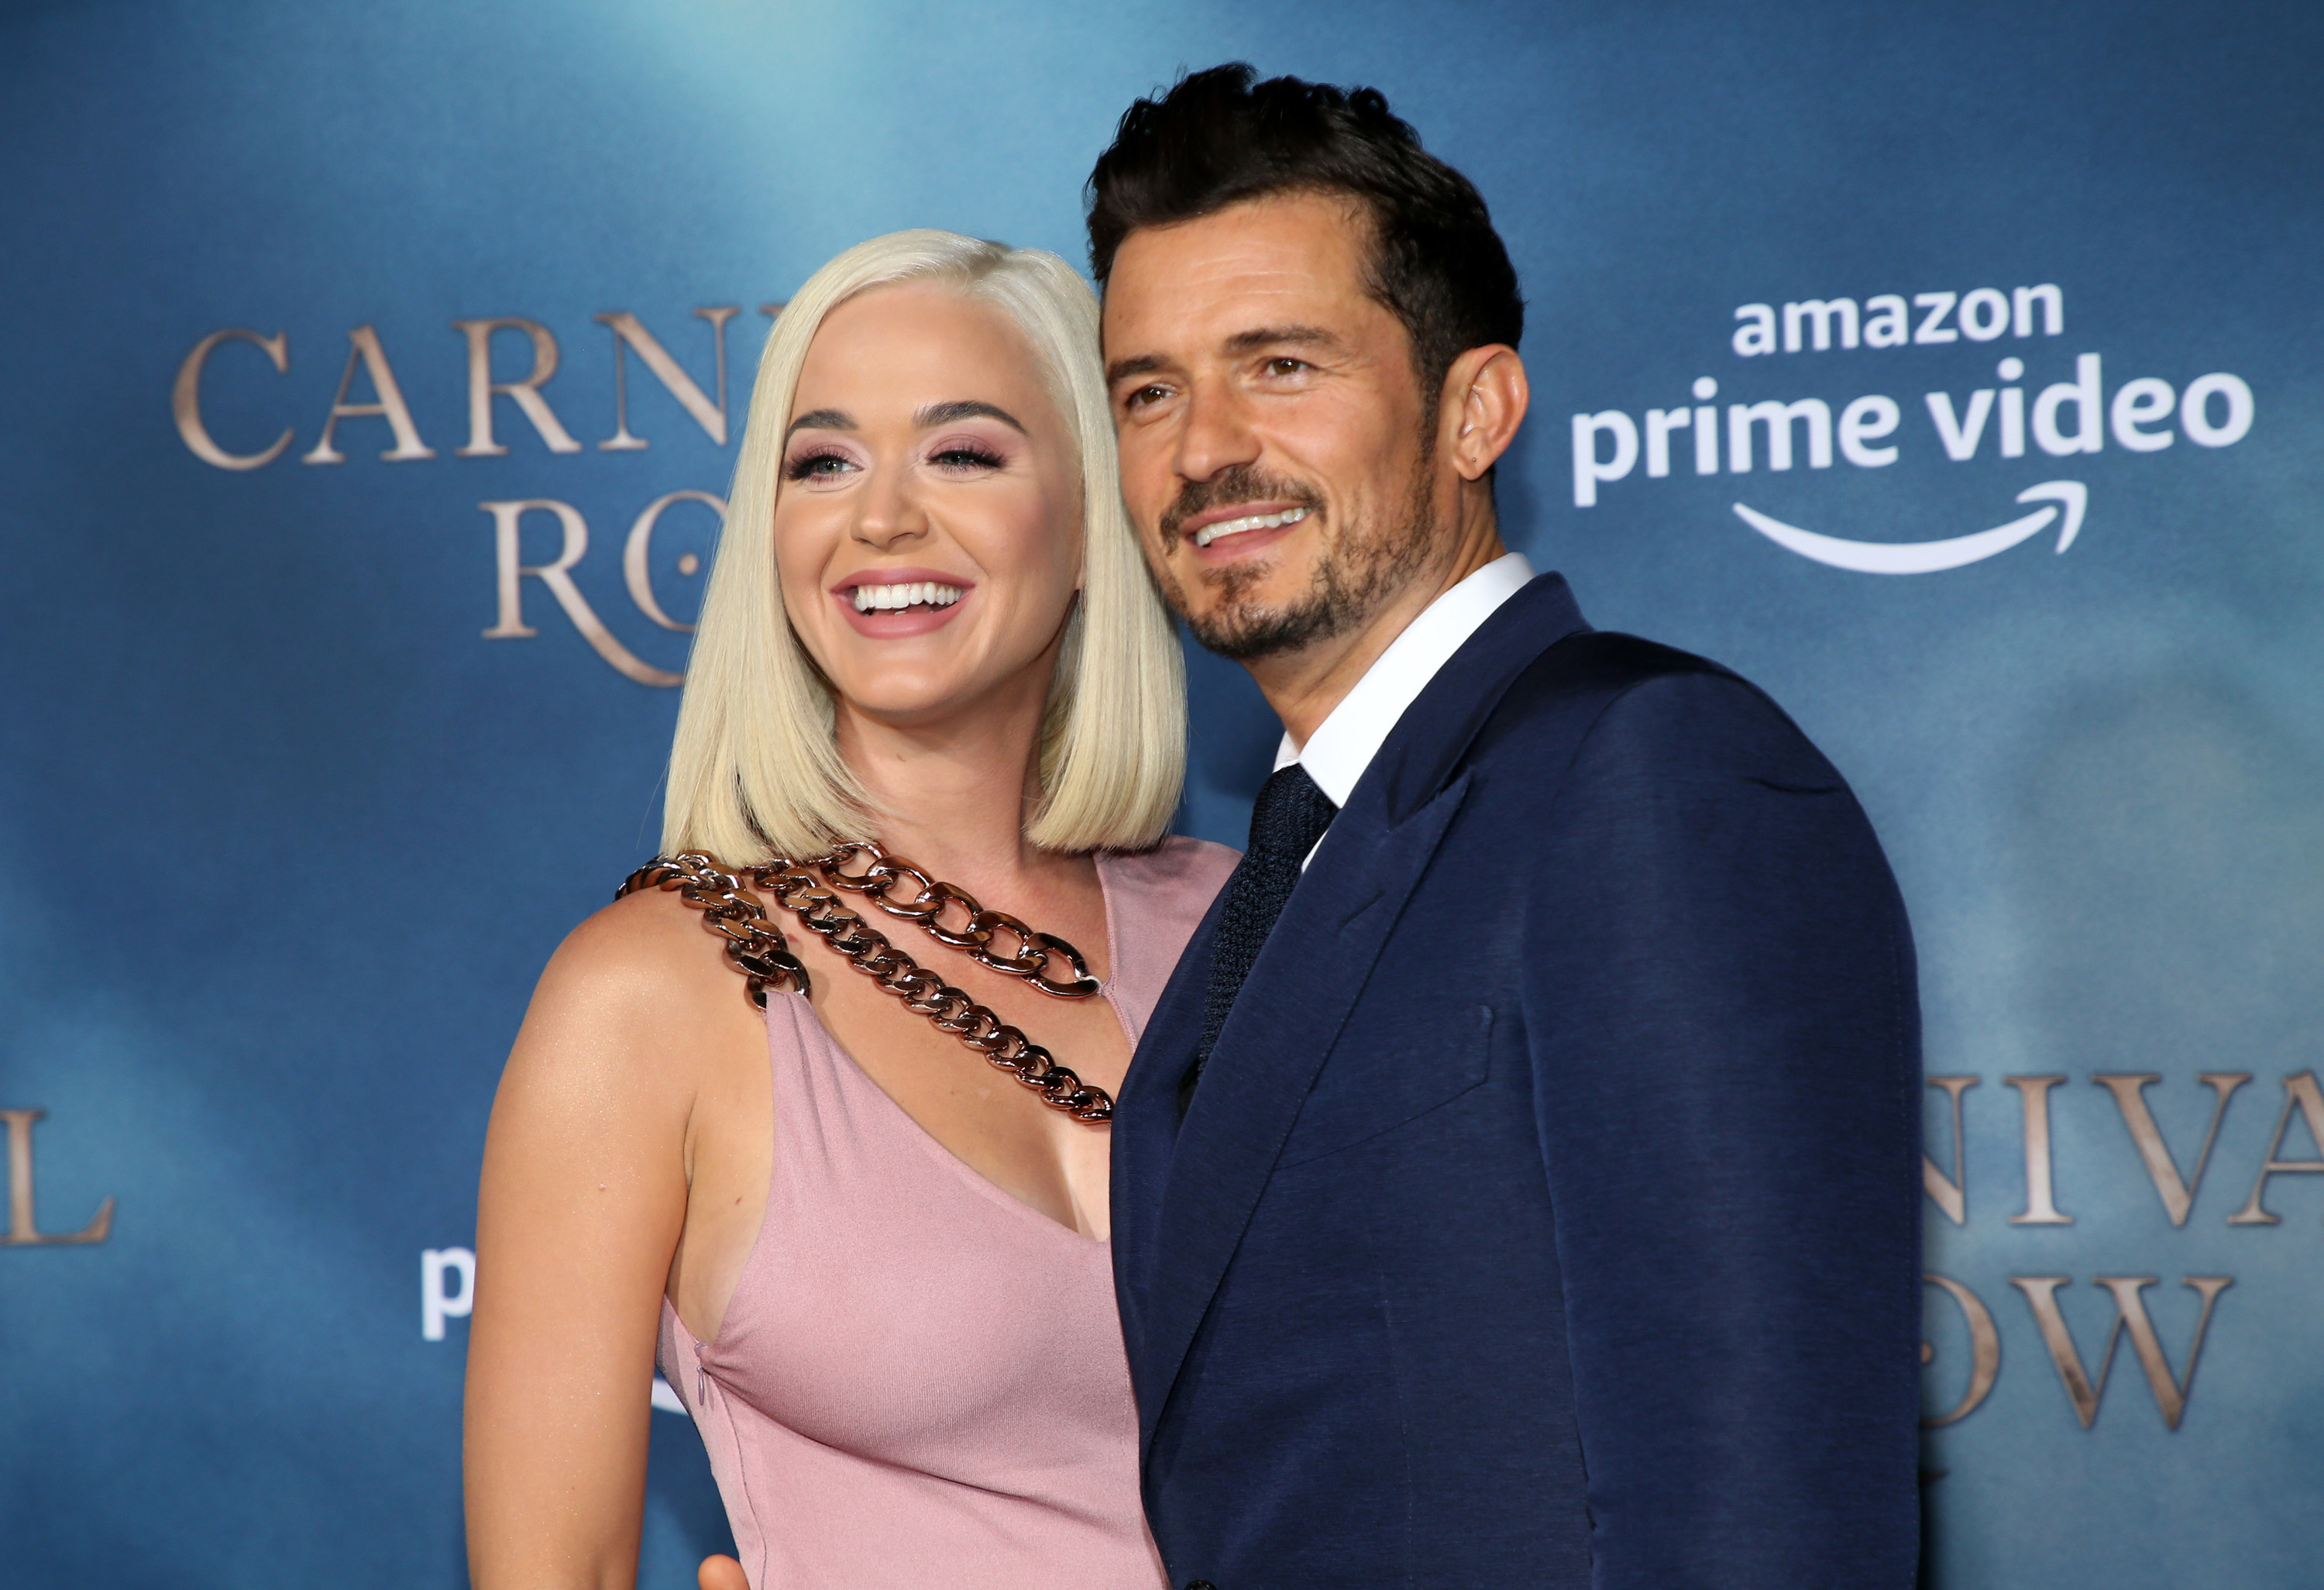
x: 759, y: 951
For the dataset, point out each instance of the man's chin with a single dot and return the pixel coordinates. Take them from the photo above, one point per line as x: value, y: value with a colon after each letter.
x: 1246, y: 633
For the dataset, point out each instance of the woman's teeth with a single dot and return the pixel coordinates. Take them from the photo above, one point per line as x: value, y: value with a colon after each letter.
x: 916, y: 593
x: 1210, y: 533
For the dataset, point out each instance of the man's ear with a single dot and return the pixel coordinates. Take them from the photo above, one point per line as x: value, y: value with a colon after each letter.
x: 1484, y: 402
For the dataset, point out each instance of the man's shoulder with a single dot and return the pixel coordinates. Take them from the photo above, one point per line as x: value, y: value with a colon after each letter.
x: 1638, y: 701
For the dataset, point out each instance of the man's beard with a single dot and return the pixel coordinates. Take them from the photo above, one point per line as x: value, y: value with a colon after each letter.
x: 1355, y: 577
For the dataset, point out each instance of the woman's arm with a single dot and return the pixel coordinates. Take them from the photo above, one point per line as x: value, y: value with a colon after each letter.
x: 583, y: 1205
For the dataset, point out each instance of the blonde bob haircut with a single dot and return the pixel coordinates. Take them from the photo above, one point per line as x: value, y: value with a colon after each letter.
x: 754, y: 768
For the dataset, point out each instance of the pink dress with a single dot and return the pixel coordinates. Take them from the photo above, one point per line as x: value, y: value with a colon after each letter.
x: 920, y: 1380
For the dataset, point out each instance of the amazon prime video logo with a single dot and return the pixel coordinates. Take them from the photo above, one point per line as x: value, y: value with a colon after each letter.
x: 2063, y: 419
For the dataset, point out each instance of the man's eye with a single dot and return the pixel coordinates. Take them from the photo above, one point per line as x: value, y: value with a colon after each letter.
x: 1286, y: 367
x: 1145, y: 395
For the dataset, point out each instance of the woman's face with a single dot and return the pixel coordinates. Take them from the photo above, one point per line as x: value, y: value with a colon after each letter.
x: 927, y: 529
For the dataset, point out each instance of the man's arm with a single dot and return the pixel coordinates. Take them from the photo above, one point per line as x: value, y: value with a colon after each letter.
x: 1725, y: 1030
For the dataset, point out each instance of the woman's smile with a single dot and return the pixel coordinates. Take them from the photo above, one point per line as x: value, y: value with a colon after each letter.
x: 887, y: 603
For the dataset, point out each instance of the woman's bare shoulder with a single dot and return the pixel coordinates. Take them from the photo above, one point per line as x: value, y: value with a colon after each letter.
x: 636, y: 986
x: 643, y: 943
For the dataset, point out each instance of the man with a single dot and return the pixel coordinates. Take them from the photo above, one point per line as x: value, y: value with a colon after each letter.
x: 1516, y: 1186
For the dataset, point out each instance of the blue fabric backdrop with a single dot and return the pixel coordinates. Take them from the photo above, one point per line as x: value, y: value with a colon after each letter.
x: 287, y: 836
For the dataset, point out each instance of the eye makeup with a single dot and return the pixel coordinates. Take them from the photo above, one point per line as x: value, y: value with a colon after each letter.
x: 960, y: 453
x: 812, y: 463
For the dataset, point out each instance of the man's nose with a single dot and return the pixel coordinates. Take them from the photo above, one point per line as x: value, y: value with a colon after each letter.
x: 1217, y: 434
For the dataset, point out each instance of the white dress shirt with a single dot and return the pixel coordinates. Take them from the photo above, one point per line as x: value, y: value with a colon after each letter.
x: 1344, y: 743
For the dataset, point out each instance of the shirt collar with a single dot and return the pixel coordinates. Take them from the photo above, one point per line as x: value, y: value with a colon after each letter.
x: 1343, y: 745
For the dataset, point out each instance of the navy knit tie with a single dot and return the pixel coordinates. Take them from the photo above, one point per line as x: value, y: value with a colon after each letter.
x: 1290, y: 815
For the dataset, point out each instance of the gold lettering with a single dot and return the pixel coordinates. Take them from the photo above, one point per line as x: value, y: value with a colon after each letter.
x: 1947, y: 1191
x: 2040, y: 1209
x: 526, y: 391
x: 1984, y: 1346
x: 186, y: 399
x: 774, y: 311
x: 24, y: 1228
x: 2129, y: 1310
x: 391, y: 406
x: 2130, y: 1097
x: 2299, y: 1094
x: 629, y: 331
x: 507, y: 518
x: 634, y: 569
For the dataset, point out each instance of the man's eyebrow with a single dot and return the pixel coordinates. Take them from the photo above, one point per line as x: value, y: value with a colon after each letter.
x: 965, y: 409
x: 823, y: 420
x: 1260, y: 337
x: 1241, y: 342
x: 1123, y: 369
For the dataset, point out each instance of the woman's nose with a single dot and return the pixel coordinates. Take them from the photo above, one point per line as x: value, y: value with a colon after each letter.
x: 888, y: 513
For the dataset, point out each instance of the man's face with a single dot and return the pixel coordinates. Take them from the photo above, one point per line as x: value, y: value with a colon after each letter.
x: 1273, y: 450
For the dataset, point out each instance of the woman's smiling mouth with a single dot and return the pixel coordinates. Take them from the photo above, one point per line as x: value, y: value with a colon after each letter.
x: 888, y: 604
x: 870, y: 598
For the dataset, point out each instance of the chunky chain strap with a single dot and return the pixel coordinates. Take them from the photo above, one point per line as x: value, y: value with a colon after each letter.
x: 759, y: 951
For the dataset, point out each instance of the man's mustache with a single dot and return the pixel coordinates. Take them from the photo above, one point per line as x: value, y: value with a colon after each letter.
x: 1242, y: 483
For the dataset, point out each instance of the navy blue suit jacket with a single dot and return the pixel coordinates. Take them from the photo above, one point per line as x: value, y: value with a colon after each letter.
x: 1548, y: 1211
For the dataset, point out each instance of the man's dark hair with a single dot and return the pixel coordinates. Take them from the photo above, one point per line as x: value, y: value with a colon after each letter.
x: 1220, y: 137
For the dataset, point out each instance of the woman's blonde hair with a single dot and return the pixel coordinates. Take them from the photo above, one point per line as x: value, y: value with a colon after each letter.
x: 754, y: 768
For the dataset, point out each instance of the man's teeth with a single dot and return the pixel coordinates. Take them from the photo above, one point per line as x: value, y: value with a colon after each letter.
x: 916, y: 593
x: 1210, y: 533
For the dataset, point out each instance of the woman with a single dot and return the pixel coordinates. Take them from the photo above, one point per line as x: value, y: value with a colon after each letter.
x: 872, y: 1257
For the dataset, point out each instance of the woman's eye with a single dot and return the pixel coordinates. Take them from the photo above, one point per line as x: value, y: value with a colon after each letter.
x: 815, y: 464
x: 964, y: 457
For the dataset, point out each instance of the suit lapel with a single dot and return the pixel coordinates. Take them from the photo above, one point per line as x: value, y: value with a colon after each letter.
x: 1146, y: 1129
x: 1284, y: 1021
x: 1183, y: 1193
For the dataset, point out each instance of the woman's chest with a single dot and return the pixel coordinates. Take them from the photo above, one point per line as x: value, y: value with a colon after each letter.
x: 979, y: 1111
x: 926, y: 1324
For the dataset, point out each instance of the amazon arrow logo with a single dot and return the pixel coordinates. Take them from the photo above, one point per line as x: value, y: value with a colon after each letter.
x: 1929, y: 557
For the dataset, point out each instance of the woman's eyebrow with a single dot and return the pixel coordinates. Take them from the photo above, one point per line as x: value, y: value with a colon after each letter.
x: 965, y: 409
x: 823, y: 420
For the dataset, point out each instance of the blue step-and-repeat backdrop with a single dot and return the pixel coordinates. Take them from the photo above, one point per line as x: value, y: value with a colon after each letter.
x: 372, y: 377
